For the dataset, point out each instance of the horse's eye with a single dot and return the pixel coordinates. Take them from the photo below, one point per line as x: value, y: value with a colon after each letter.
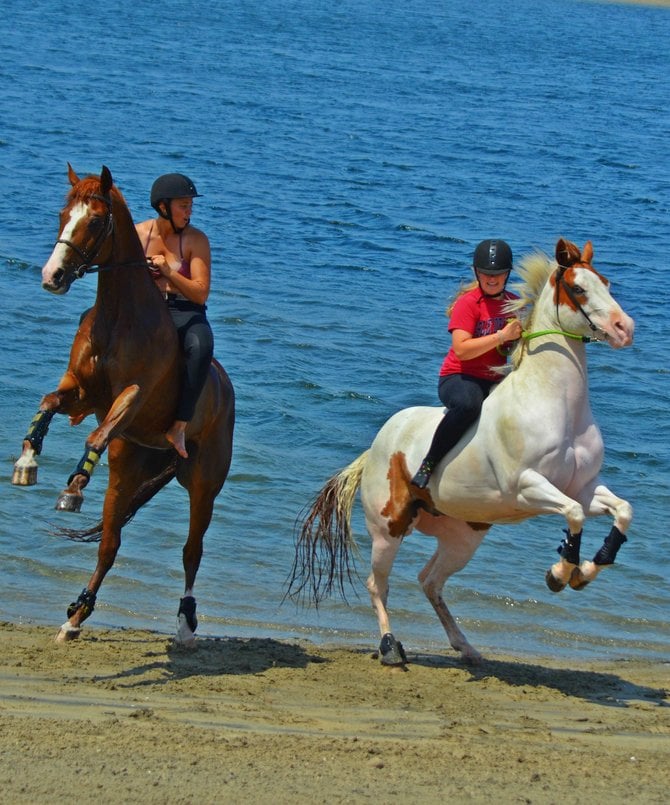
x: 95, y: 222
x: 577, y: 289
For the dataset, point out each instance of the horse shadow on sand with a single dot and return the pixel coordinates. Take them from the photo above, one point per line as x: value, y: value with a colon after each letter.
x: 604, y: 688
x: 215, y: 656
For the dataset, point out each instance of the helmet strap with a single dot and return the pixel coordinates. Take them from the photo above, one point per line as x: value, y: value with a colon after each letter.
x: 168, y: 215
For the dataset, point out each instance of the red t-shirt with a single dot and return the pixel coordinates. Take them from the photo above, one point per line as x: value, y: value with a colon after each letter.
x: 478, y: 315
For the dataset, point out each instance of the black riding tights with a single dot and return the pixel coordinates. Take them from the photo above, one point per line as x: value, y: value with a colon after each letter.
x: 197, y: 345
x: 463, y: 396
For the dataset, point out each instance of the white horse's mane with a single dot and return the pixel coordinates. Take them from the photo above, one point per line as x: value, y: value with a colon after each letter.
x: 534, y: 271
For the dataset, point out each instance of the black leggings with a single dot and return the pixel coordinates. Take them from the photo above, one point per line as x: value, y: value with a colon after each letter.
x: 197, y: 344
x: 463, y: 396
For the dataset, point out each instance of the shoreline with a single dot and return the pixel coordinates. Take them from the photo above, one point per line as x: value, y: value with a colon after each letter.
x: 128, y: 716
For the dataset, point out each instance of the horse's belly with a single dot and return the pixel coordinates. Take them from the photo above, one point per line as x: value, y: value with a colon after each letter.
x: 478, y: 506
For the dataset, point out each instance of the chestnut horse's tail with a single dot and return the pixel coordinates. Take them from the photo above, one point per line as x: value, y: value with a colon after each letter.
x: 325, y: 541
x: 143, y: 495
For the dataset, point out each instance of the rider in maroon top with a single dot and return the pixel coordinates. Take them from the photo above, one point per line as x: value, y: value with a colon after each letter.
x: 180, y: 263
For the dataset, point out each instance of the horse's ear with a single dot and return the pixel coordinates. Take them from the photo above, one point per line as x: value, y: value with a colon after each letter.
x: 566, y: 253
x: 106, y: 180
x: 71, y: 175
x: 587, y: 252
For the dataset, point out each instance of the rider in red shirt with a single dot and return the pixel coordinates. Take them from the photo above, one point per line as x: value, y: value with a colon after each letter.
x: 479, y: 327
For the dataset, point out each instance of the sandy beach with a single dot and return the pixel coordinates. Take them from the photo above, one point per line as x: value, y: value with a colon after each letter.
x: 123, y: 716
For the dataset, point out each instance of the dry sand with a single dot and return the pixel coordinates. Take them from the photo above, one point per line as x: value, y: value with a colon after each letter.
x: 123, y: 716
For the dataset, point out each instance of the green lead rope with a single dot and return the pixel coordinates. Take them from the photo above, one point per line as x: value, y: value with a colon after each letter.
x: 585, y: 339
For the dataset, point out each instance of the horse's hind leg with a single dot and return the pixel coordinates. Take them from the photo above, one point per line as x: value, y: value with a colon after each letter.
x: 201, y: 506
x: 384, y: 550
x: 457, y: 542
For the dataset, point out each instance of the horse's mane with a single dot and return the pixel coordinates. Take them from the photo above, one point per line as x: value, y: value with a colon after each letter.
x: 534, y: 271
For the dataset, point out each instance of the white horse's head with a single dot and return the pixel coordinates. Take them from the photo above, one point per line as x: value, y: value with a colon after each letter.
x: 571, y: 296
x: 582, y: 299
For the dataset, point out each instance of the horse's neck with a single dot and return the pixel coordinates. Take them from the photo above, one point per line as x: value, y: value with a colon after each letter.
x: 555, y: 367
x: 125, y: 287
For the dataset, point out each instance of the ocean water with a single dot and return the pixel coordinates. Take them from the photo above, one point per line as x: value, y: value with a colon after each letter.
x: 349, y: 156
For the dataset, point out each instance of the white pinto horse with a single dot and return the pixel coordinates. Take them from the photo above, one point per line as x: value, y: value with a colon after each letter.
x: 536, y: 449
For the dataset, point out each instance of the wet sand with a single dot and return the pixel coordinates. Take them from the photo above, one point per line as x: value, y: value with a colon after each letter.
x: 124, y: 716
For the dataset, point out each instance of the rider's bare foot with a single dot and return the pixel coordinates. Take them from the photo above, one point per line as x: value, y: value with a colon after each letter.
x: 177, y: 437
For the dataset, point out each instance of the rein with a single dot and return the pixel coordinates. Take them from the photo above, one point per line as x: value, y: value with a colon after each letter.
x: 585, y: 339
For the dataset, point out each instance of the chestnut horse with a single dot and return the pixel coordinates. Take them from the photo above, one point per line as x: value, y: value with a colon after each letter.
x: 535, y: 449
x: 124, y: 367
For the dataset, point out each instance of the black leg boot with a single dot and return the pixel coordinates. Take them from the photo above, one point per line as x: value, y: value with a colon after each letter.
x: 424, y: 472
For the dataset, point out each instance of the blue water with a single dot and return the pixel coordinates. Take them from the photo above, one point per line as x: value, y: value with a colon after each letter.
x: 350, y: 155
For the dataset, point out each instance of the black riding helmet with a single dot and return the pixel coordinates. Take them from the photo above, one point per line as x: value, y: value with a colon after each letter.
x: 167, y: 187
x: 492, y: 257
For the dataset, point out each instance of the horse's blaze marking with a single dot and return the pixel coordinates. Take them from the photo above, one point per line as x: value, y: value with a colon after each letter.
x: 60, y: 250
x: 400, y: 508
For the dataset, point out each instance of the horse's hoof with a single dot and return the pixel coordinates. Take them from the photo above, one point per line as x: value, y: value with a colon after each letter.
x: 391, y: 651
x: 25, y: 476
x: 184, y: 637
x: 554, y: 584
x: 67, y: 632
x: 69, y: 502
x: 578, y: 580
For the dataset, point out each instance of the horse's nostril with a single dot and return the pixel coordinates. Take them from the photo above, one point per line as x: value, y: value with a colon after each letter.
x: 58, y: 276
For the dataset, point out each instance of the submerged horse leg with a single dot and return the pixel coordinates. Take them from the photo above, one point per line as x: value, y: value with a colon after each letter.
x: 457, y: 543
x: 122, y: 410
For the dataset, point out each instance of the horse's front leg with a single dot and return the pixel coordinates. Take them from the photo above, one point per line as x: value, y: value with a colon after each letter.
x: 604, y: 502
x: 128, y: 470
x: 539, y: 496
x: 118, y: 417
x: 64, y: 399
x: 80, y: 609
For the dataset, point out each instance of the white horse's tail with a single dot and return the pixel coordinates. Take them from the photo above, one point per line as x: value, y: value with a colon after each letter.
x: 324, y: 541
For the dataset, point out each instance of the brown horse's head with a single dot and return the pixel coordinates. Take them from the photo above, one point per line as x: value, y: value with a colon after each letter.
x: 86, y: 233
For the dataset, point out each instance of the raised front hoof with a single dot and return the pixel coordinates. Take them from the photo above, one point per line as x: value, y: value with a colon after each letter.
x: 554, y: 584
x: 69, y: 502
x: 391, y: 652
x: 578, y: 580
x: 25, y: 476
x: 67, y: 632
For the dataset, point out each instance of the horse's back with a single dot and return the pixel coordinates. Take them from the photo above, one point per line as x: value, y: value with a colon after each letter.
x: 402, y: 441
x: 410, y: 431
